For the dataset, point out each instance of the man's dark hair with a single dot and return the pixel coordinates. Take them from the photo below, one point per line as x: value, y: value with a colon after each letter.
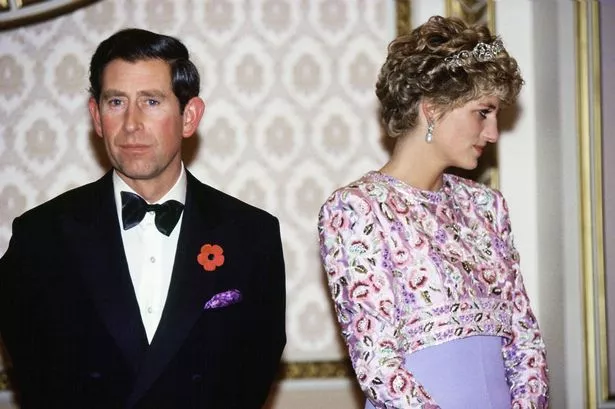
x: 134, y: 45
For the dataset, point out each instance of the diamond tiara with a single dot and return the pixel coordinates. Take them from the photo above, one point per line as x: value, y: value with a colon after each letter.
x: 481, y: 52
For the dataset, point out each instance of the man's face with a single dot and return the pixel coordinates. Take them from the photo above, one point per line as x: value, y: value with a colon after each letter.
x: 139, y: 118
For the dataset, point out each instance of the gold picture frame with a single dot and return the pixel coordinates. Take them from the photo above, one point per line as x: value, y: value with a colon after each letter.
x: 18, y: 13
x: 472, y: 11
x: 600, y: 373
x: 316, y: 369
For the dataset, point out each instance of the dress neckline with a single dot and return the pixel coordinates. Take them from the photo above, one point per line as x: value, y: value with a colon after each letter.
x: 432, y: 196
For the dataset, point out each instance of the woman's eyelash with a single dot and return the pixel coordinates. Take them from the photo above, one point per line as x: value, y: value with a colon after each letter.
x: 484, y: 112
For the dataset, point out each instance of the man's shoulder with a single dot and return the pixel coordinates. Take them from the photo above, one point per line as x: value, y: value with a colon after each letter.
x: 66, y: 201
x: 229, y: 203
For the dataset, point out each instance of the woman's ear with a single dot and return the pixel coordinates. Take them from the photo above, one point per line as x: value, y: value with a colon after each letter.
x: 428, y: 110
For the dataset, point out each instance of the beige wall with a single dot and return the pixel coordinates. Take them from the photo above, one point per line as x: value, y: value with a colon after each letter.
x: 291, y: 115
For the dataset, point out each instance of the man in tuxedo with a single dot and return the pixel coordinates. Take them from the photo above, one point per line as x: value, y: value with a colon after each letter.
x: 145, y: 289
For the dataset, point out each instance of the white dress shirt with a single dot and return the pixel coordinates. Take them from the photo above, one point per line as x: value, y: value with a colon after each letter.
x: 150, y: 254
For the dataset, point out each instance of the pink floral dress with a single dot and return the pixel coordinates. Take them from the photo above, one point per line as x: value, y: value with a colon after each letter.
x: 410, y: 269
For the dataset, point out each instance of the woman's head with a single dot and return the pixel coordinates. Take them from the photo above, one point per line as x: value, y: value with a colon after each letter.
x: 447, y: 63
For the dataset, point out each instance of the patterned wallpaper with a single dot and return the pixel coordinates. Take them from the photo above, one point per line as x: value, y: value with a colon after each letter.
x: 291, y: 115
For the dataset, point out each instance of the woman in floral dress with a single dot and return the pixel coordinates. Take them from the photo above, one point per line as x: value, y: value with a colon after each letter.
x: 421, y: 264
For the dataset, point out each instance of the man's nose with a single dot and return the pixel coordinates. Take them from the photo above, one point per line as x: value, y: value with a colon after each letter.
x: 133, y: 118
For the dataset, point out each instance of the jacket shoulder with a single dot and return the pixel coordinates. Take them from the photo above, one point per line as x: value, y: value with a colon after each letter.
x: 231, y: 204
x: 64, y: 202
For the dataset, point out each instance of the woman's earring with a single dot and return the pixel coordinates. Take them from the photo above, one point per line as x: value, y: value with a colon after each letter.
x: 429, y: 134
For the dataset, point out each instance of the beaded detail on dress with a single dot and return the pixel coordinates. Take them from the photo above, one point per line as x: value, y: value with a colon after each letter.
x: 409, y: 268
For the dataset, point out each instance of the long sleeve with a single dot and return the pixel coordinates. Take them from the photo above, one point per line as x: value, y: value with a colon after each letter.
x: 524, y: 355
x: 356, y: 259
x: 19, y: 316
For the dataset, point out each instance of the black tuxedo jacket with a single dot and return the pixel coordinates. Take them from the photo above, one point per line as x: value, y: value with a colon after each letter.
x: 70, y: 321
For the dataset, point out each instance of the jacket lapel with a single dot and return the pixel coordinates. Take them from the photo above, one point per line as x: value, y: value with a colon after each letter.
x: 190, y: 285
x: 99, y: 249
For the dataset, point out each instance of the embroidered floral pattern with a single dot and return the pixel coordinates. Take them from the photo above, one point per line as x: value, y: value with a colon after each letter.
x: 408, y: 269
x: 211, y: 257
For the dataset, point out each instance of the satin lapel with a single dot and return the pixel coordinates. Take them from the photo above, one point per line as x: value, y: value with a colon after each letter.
x: 190, y: 286
x: 100, y: 256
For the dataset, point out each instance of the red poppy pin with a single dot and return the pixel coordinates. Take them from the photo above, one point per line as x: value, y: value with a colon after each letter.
x: 211, y: 257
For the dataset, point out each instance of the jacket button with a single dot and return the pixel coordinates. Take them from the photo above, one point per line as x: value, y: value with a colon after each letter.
x: 196, y: 378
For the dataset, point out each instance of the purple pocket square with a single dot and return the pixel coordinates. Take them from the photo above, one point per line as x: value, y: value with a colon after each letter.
x: 223, y: 299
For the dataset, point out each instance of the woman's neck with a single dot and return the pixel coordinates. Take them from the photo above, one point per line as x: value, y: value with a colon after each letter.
x: 414, y: 162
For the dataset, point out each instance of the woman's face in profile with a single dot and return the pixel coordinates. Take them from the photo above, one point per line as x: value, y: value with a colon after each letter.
x: 461, y: 135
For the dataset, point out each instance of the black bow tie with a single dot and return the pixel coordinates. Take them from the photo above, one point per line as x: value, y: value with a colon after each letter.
x: 134, y: 208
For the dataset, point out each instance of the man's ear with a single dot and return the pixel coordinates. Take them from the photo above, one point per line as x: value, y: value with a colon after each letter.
x: 193, y: 112
x: 95, y: 114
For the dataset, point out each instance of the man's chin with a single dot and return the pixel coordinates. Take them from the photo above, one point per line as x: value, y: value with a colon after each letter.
x: 136, y: 174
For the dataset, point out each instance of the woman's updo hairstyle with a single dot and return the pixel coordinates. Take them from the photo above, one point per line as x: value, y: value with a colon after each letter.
x: 440, y: 62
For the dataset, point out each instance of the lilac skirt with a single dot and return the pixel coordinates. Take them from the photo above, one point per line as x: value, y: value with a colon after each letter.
x: 466, y: 373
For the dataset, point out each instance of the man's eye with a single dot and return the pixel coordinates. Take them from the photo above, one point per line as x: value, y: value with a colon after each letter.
x: 152, y: 102
x: 484, y: 113
x: 115, y: 102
